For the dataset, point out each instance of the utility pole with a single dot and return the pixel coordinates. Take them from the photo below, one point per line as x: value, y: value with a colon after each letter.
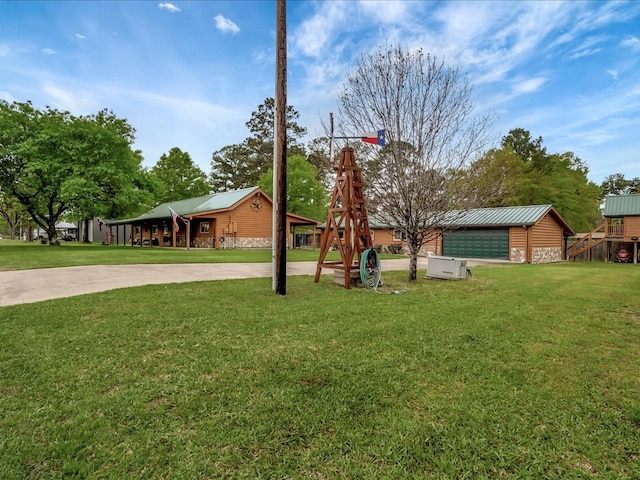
x: 280, y: 155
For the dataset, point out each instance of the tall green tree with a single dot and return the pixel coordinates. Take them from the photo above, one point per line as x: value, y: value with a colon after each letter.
x: 575, y: 197
x: 617, y: 184
x: 524, y: 173
x: 228, y: 168
x: 241, y: 165
x: 498, y: 177
x: 178, y: 177
x: 56, y: 164
x: 528, y: 149
x: 306, y: 195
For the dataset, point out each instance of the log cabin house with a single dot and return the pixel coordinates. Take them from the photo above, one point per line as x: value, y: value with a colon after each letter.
x: 526, y: 234
x: 235, y: 219
x: 620, y: 229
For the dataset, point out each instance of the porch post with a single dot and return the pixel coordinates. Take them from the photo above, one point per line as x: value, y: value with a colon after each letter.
x: 188, y: 224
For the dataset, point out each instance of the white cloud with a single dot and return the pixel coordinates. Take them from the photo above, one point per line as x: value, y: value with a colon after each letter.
x: 584, y: 53
x: 385, y: 12
x: 225, y: 25
x: 4, y: 51
x: 314, y: 35
x: 168, y: 6
x: 79, y: 36
x: 49, y: 51
x: 62, y: 99
x: 528, y: 86
x: 613, y: 73
x: 632, y: 42
x: 588, y: 47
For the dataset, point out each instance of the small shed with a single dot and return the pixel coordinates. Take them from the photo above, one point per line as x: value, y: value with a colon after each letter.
x: 525, y: 234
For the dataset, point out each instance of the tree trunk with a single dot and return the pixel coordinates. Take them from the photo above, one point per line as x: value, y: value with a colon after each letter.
x: 85, y: 231
x: 52, y: 234
x: 413, y: 261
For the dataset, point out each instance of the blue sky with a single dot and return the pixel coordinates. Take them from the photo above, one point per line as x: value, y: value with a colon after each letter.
x: 189, y: 74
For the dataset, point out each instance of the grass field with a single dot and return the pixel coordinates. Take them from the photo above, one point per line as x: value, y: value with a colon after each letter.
x: 524, y: 371
x: 18, y: 255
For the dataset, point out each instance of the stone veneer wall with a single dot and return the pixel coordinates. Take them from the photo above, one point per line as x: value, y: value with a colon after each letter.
x: 546, y: 255
x: 203, y: 242
x: 246, y: 243
x: 426, y: 251
x: 518, y: 255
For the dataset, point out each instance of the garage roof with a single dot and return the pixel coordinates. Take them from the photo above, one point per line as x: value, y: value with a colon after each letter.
x: 500, y: 216
x: 527, y: 215
x: 621, y: 205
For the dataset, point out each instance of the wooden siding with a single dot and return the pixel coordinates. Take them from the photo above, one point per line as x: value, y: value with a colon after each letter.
x: 519, y: 248
x: 244, y: 221
x: 547, y: 233
x: 631, y: 228
x: 384, y: 236
x: 434, y: 244
x: 517, y: 237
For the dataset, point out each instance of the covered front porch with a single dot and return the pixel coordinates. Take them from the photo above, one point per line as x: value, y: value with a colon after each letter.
x: 196, y: 233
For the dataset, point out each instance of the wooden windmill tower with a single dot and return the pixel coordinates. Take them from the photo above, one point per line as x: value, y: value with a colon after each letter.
x: 347, y: 227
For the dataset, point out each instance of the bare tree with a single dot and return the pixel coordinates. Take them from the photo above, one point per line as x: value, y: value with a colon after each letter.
x: 415, y: 183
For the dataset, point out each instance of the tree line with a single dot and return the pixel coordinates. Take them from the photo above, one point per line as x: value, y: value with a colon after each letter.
x: 438, y: 158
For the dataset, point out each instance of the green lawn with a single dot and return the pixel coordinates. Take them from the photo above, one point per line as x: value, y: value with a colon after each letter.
x: 524, y: 371
x: 17, y: 255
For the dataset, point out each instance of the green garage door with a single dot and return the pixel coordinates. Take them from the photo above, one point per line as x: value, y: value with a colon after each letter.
x: 476, y: 244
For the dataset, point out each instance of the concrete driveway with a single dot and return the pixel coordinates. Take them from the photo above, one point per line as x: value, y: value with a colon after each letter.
x: 28, y: 286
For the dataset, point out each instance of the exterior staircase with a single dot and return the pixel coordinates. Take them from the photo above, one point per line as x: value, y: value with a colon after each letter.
x: 586, y: 243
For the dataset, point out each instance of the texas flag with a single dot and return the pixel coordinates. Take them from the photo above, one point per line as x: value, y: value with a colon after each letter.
x: 375, y: 138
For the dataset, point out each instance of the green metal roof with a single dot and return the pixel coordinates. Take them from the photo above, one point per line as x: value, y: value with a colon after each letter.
x: 499, y: 216
x: 189, y: 206
x: 488, y: 217
x: 621, y: 205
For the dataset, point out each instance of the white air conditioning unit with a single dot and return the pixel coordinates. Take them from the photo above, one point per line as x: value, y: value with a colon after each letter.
x: 446, y: 267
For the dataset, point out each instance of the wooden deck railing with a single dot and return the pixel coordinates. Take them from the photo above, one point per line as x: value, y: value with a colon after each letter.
x: 615, y: 230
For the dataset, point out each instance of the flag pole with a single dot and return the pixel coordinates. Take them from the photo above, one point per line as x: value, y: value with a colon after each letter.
x: 331, y: 139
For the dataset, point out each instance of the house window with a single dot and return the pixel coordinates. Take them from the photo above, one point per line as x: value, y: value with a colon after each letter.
x: 154, y: 229
x: 137, y: 229
x: 165, y: 229
x: 204, y: 227
x: 399, y: 235
x: 616, y: 226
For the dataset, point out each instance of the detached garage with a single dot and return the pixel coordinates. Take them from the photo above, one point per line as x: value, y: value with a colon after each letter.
x: 532, y: 234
